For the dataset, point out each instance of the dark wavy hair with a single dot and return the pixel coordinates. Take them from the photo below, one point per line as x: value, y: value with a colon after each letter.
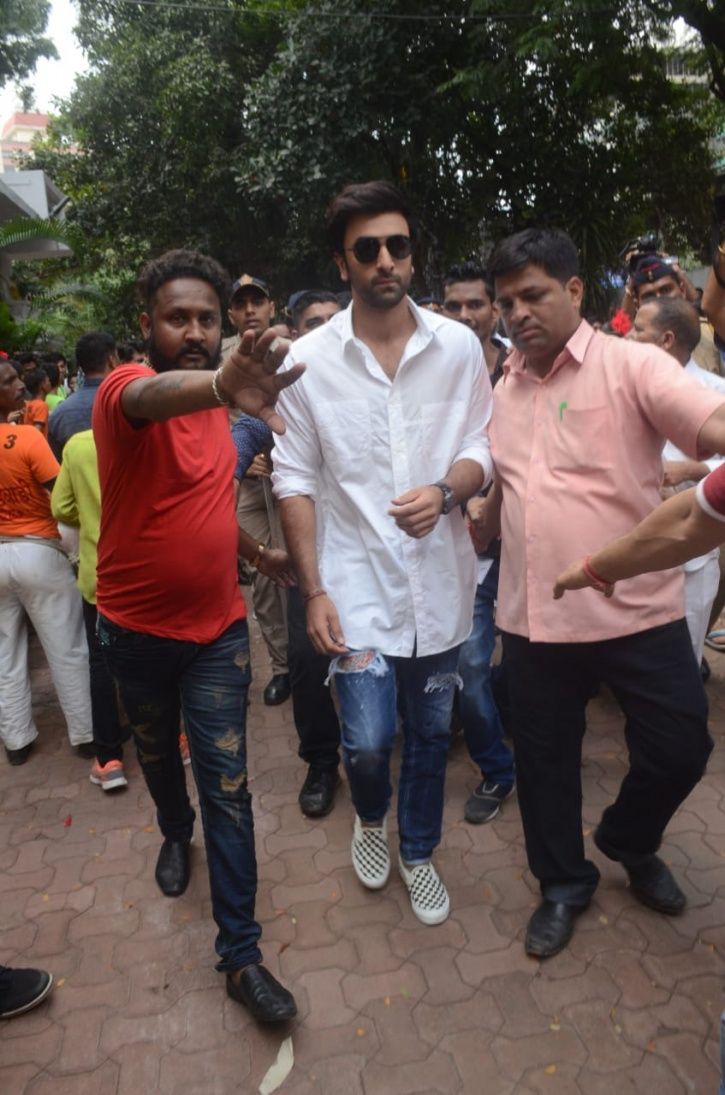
x: 368, y: 198
x: 182, y: 264
x: 469, y: 271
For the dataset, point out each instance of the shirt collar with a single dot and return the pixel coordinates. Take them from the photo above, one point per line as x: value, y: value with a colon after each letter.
x: 427, y: 325
x: 574, y: 350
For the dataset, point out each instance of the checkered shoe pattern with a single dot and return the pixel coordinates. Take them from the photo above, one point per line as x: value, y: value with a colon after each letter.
x: 370, y: 855
x: 428, y: 896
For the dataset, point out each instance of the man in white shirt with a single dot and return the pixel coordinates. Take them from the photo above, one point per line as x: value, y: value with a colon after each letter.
x: 673, y: 324
x: 385, y: 442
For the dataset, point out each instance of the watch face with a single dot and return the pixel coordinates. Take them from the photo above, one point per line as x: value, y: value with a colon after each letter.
x: 448, y: 500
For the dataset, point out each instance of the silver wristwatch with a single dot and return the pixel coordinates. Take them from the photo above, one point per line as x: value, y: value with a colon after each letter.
x: 449, y: 498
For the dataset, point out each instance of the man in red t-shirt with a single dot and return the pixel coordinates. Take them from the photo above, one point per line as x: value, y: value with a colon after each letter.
x: 170, y: 615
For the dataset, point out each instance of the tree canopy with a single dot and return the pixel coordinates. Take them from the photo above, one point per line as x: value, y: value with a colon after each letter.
x: 230, y: 127
x: 22, y: 23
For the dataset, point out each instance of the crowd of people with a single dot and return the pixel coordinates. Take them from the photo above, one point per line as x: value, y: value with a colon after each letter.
x: 398, y: 483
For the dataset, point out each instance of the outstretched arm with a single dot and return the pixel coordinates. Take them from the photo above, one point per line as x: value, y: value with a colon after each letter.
x: 676, y: 531
x: 248, y: 379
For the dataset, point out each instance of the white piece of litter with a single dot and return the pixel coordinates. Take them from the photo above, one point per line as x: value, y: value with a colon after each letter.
x: 280, y: 1070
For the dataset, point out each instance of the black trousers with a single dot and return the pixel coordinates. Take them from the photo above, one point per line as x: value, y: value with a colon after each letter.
x: 107, y: 732
x: 314, y: 713
x: 656, y: 680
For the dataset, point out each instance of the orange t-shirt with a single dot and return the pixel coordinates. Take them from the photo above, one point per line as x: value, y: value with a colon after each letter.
x: 25, y: 463
x: 36, y: 414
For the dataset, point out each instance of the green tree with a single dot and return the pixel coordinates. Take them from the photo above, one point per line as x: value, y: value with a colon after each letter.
x: 22, y: 44
x: 159, y: 121
x: 503, y: 114
x: 230, y: 128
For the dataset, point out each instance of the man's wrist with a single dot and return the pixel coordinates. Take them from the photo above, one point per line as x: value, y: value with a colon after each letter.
x: 447, y: 495
x: 218, y: 389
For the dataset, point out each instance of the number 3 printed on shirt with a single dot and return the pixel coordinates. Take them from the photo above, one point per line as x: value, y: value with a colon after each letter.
x: 10, y: 440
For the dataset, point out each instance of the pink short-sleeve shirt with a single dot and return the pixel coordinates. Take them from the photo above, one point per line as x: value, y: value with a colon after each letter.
x: 579, y: 457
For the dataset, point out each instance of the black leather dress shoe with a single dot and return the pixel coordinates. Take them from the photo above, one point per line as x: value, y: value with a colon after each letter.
x: 278, y: 690
x: 19, y: 756
x: 317, y: 796
x: 173, y: 869
x: 550, y: 928
x: 653, y: 883
x: 262, y: 995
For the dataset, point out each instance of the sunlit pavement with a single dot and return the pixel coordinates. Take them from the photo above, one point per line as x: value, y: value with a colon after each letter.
x: 386, y: 1005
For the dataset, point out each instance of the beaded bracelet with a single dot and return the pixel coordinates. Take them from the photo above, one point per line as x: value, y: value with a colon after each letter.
x: 221, y: 400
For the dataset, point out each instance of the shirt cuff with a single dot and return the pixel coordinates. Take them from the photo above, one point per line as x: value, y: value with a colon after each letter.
x: 479, y: 456
x: 291, y: 486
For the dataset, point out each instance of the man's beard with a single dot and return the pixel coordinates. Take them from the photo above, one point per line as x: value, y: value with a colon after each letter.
x: 160, y: 363
x: 384, y: 299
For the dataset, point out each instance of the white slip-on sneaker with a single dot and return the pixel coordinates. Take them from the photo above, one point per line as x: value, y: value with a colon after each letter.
x: 370, y: 855
x: 428, y: 896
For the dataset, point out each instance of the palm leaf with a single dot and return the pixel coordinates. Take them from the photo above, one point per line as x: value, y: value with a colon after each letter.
x: 23, y: 229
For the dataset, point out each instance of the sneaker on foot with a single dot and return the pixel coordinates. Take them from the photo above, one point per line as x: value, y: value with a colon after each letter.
x: 485, y: 802
x: 370, y: 855
x: 21, y: 990
x: 428, y: 896
x: 109, y: 776
x: 184, y: 748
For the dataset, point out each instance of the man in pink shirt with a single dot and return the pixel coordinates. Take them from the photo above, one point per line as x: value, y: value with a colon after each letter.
x: 577, y: 430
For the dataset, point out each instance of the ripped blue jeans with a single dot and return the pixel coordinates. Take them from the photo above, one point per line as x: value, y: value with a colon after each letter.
x: 370, y: 689
x: 158, y: 679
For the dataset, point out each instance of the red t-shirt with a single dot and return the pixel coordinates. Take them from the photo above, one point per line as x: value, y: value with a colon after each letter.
x: 25, y: 463
x: 167, y: 553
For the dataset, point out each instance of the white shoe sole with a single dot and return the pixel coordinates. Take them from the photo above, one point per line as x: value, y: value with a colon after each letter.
x: 109, y: 784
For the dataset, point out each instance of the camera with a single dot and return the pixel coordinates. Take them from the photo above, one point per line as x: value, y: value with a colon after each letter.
x: 646, y: 244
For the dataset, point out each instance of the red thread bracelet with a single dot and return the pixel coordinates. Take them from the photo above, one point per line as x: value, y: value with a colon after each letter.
x: 599, y: 583
x: 314, y: 593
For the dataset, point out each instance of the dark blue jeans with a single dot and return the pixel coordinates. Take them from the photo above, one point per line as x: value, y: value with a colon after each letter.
x: 158, y: 679
x: 369, y: 687
x: 482, y: 726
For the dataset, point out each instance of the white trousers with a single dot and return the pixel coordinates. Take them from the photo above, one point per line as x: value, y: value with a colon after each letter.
x: 39, y: 580
x: 700, y: 589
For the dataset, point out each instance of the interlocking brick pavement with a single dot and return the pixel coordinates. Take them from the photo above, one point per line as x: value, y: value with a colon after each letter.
x: 386, y: 1006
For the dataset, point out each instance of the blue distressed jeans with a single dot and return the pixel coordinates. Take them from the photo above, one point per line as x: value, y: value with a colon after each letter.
x: 482, y: 727
x: 370, y: 688
x: 158, y: 679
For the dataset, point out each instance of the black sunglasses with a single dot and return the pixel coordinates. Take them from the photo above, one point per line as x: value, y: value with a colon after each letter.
x: 367, y: 248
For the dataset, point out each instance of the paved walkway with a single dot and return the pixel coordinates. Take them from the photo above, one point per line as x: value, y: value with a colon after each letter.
x: 386, y: 1005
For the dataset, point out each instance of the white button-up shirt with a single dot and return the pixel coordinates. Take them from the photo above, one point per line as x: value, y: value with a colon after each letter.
x: 356, y: 440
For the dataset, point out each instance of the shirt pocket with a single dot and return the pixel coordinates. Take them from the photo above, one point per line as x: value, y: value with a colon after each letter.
x: 345, y: 438
x: 443, y: 427
x: 580, y: 440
